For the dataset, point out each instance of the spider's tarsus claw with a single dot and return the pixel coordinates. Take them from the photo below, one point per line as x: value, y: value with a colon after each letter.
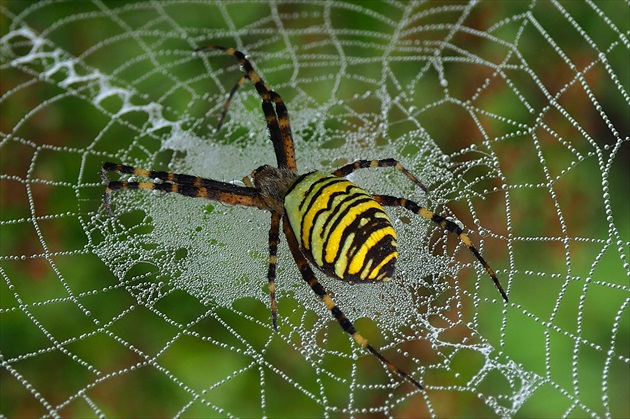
x: 415, y: 383
x: 388, y: 364
x: 493, y: 276
x: 220, y: 124
x: 503, y: 294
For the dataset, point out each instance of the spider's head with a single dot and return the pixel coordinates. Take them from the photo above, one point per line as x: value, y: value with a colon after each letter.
x: 273, y: 183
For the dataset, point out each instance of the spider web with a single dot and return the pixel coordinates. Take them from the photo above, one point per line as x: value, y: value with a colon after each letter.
x: 515, y: 115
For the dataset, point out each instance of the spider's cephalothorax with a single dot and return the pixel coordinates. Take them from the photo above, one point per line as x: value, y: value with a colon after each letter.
x: 338, y: 226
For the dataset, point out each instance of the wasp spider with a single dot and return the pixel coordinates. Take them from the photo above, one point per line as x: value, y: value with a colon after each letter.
x: 326, y: 219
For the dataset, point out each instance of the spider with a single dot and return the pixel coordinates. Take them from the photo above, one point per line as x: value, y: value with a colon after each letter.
x: 326, y: 219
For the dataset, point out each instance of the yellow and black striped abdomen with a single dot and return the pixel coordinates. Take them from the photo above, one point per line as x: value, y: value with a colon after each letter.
x: 341, y: 228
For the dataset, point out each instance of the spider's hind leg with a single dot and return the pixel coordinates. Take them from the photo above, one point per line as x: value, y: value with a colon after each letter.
x: 344, y: 322
x: 447, y: 225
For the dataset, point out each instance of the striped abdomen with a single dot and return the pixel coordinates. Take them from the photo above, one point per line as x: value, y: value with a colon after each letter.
x: 341, y: 228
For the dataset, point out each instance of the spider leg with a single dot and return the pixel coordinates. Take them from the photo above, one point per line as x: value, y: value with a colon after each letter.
x: 362, y: 164
x: 346, y: 325
x: 186, y: 185
x: 274, y: 239
x: 226, y: 105
x: 447, y: 225
x: 277, y: 121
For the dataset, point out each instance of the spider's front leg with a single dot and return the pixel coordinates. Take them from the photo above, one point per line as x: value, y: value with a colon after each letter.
x: 392, y: 201
x: 278, y: 123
